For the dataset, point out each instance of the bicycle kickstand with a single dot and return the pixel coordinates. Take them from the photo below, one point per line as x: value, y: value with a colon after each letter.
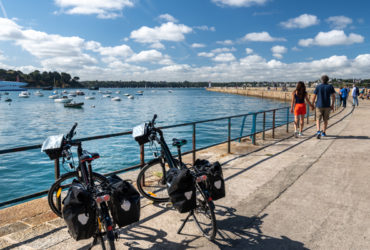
x: 184, y: 222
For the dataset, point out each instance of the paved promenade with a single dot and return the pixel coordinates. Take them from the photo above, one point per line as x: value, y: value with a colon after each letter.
x: 290, y: 193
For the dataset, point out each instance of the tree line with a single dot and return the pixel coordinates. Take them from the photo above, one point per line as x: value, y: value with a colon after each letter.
x: 37, y: 79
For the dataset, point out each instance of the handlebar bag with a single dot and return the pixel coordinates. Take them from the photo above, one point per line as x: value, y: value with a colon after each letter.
x: 181, y: 189
x: 79, y: 212
x: 215, y: 179
x: 125, y: 202
x: 141, y: 133
x: 52, y: 146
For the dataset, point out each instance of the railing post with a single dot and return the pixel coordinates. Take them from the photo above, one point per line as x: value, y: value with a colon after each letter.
x: 57, y: 175
x: 273, y: 123
x: 142, y: 154
x: 242, y: 128
x: 229, y: 136
x: 308, y: 113
x: 287, y: 120
x: 254, y: 128
x: 264, y: 126
x: 194, y: 144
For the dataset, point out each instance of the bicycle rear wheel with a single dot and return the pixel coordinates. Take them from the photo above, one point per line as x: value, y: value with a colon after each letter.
x: 151, y: 181
x: 204, y: 215
x: 57, y: 191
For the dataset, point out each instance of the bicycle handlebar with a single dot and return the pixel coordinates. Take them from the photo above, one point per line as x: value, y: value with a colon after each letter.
x: 71, y: 132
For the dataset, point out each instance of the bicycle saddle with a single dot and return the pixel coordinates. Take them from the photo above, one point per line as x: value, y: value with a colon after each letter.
x: 178, y: 142
x: 87, y: 156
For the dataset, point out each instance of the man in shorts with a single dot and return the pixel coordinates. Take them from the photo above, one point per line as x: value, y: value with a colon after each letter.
x: 323, y: 92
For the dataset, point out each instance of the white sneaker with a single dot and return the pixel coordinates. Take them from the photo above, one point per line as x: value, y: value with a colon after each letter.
x: 300, y: 134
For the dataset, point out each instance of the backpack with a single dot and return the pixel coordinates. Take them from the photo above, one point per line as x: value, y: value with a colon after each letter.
x: 124, y: 203
x: 215, y: 180
x: 79, y: 212
x: 181, y: 189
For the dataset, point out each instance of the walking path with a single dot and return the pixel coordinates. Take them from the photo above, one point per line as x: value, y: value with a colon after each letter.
x: 298, y: 193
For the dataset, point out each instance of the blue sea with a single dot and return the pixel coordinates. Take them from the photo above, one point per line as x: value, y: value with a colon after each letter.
x: 29, y: 121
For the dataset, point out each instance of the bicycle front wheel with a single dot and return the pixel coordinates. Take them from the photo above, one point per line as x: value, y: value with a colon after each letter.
x: 58, y: 192
x: 151, y: 181
x: 204, y: 215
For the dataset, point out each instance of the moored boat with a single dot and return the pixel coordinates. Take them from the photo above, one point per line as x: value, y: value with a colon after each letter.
x: 7, y: 99
x: 74, y: 105
x: 38, y: 93
x: 89, y: 97
x: 53, y: 96
x: 63, y: 99
x: 24, y: 94
x: 116, y: 99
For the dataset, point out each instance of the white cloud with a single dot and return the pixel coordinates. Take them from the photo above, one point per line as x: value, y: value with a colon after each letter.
x: 303, y: 21
x: 117, y: 51
x: 198, y: 45
x: 103, y: 9
x: 166, y: 32
x: 239, y: 3
x: 339, y: 22
x: 226, y: 42
x: 223, y: 50
x: 167, y: 18
x: 248, y: 51
x: 261, y: 37
x: 278, y: 51
x: 224, y: 57
x: 205, y: 54
x: 153, y: 56
x: 205, y: 28
x: 333, y: 37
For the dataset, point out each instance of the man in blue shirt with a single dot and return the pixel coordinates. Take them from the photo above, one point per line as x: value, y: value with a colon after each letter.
x: 343, y: 94
x: 323, y: 92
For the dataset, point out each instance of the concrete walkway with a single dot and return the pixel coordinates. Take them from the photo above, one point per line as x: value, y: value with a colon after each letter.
x: 298, y: 193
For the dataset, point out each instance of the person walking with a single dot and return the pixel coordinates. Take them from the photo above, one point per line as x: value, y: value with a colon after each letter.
x: 298, y: 105
x: 355, y: 94
x: 340, y: 97
x: 321, y: 98
x: 343, y: 93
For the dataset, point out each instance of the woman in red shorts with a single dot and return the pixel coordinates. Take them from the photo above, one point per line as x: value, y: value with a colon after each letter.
x: 298, y: 105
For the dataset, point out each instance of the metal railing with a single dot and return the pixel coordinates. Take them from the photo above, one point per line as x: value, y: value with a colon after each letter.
x: 194, y: 149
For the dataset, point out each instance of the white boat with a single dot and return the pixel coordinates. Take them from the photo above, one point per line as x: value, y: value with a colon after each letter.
x: 118, y: 92
x: 65, y: 92
x: 63, y: 99
x: 24, y: 94
x: 170, y: 91
x: 72, y: 94
x: 126, y: 94
x: 106, y: 96
x: 89, y: 97
x: 53, y: 96
x: 130, y: 97
x: 140, y: 91
x: 116, y: 99
x: 38, y: 93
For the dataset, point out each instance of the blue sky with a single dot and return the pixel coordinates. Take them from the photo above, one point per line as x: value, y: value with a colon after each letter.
x: 193, y: 40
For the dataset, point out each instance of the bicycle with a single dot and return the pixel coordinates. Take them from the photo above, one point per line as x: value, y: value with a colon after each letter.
x: 152, y: 178
x: 96, y: 185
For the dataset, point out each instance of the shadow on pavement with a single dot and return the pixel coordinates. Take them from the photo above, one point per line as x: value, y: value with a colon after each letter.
x: 241, y: 232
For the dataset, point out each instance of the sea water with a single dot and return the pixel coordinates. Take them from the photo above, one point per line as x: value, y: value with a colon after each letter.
x: 29, y: 121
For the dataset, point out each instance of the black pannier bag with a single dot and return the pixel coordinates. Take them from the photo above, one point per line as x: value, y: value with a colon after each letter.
x: 79, y: 212
x: 141, y: 133
x: 215, y: 179
x: 181, y: 189
x: 125, y: 202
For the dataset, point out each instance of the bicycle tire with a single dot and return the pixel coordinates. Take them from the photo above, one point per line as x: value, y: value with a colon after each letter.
x: 111, y: 245
x: 204, y: 215
x: 151, y: 182
x: 63, y: 182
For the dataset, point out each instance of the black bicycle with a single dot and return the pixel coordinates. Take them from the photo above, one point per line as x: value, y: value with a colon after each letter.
x: 152, y: 179
x: 97, y: 186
